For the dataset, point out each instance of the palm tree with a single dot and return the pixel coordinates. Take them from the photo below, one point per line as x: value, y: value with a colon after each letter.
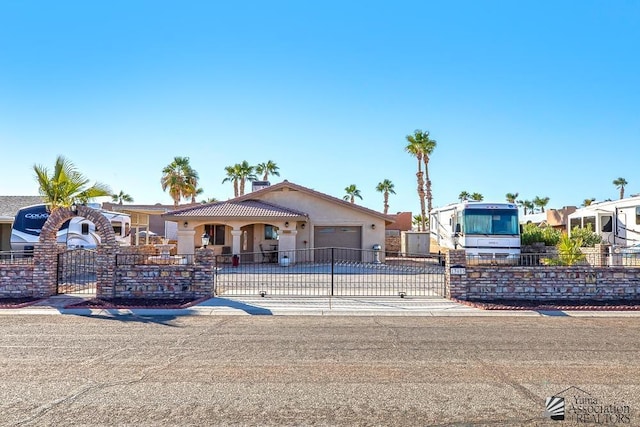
x: 587, y: 202
x: 66, y: 185
x: 266, y: 169
x: 477, y: 197
x: 418, y: 221
x: 121, y: 197
x: 541, y: 202
x: 528, y: 204
x: 245, y: 173
x: 464, y: 195
x: 620, y: 183
x: 233, y: 175
x: 180, y: 178
x: 511, y: 197
x: 209, y: 200
x: 386, y: 187
x: 416, y: 148
x: 352, y: 193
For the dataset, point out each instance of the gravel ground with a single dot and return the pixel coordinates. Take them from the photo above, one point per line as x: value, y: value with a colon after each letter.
x: 130, y: 370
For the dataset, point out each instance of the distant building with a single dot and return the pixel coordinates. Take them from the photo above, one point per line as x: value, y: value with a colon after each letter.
x: 555, y: 218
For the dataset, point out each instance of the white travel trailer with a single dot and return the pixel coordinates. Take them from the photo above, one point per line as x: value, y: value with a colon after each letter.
x: 77, y: 232
x: 616, y: 221
x: 486, y: 231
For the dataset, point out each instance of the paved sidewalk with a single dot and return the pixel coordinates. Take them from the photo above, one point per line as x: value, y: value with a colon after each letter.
x: 304, y: 306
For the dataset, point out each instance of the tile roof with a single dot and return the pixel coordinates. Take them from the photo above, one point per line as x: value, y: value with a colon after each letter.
x: 10, y: 205
x: 244, y: 208
x: 290, y: 185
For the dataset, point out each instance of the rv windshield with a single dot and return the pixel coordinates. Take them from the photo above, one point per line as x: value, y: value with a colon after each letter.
x: 490, y: 221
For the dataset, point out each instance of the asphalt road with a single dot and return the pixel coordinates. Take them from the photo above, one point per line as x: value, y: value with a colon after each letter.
x: 242, y: 370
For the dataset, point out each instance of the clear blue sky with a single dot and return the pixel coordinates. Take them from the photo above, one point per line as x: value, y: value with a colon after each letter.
x: 536, y: 97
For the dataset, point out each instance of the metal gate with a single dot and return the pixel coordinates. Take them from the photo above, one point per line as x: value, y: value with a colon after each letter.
x: 331, y: 272
x: 77, y: 272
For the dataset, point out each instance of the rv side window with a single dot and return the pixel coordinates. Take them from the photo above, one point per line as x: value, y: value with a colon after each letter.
x: 85, y: 228
x: 637, y: 214
x: 607, y: 226
x: 575, y: 222
x: 590, y: 222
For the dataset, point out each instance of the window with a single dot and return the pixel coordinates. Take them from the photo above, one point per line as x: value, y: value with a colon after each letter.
x: 607, y: 224
x: 575, y: 222
x: 637, y: 214
x: 85, y: 228
x: 589, y: 221
x: 216, y: 233
x: 270, y: 232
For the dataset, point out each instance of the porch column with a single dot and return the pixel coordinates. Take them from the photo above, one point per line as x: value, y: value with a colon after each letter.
x: 186, y: 242
x: 236, y: 233
x: 287, y: 244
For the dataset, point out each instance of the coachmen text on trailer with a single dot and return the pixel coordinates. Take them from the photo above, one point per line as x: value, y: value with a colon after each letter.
x: 488, y: 232
x: 77, y: 232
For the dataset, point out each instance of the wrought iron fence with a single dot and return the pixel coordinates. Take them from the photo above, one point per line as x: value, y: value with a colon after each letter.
x: 557, y: 259
x: 329, y: 272
x: 16, y: 257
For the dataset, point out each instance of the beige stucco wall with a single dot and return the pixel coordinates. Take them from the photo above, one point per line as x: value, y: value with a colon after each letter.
x: 324, y: 212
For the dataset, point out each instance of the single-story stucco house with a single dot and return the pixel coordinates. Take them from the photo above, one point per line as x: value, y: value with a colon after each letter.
x: 285, y: 217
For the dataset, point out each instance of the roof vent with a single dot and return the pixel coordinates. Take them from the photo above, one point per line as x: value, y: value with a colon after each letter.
x: 259, y: 185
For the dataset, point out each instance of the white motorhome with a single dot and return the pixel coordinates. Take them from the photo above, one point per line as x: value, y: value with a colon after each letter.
x: 616, y: 221
x: 77, y: 232
x: 486, y: 231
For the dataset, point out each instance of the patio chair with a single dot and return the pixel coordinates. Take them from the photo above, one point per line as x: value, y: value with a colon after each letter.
x: 267, y: 256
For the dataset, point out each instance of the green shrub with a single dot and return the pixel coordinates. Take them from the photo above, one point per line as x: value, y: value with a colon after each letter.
x: 587, y: 236
x: 531, y: 233
x: 568, y: 251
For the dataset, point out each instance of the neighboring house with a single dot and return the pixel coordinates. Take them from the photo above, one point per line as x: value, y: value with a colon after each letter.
x: 285, y: 216
x: 9, y: 207
x: 555, y: 218
x: 146, y: 221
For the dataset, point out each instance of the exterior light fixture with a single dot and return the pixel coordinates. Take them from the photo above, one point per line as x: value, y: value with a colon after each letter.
x: 205, y: 239
x: 303, y: 225
x: 186, y: 224
x: 402, y: 294
x: 74, y: 209
x: 286, y: 224
x: 262, y: 293
x: 373, y: 226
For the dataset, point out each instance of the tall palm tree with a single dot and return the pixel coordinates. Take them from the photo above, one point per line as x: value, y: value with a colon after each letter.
x: 233, y: 175
x: 121, y: 197
x: 386, y: 187
x: 266, y: 169
x: 620, y: 183
x: 180, y: 178
x: 66, y: 185
x: 541, y: 202
x: 587, y: 202
x: 464, y: 195
x: 352, y: 192
x: 477, y: 197
x: 416, y: 148
x: 511, y: 197
x: 245, y: 173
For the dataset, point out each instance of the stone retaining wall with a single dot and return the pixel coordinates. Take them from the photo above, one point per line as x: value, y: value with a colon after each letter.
x: 148, y: 281
x: 477, y: 283
x: 16, y: 280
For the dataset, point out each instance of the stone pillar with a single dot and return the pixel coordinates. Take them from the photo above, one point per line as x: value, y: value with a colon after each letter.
x: 203, y: 277
x: 455, y: 274
x: 45, y: 269
x: 601, y: 255
x: 236, y: 246
x: 106, y: 270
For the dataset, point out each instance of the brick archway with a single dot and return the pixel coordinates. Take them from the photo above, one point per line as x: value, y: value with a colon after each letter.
x: 46, y: 252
